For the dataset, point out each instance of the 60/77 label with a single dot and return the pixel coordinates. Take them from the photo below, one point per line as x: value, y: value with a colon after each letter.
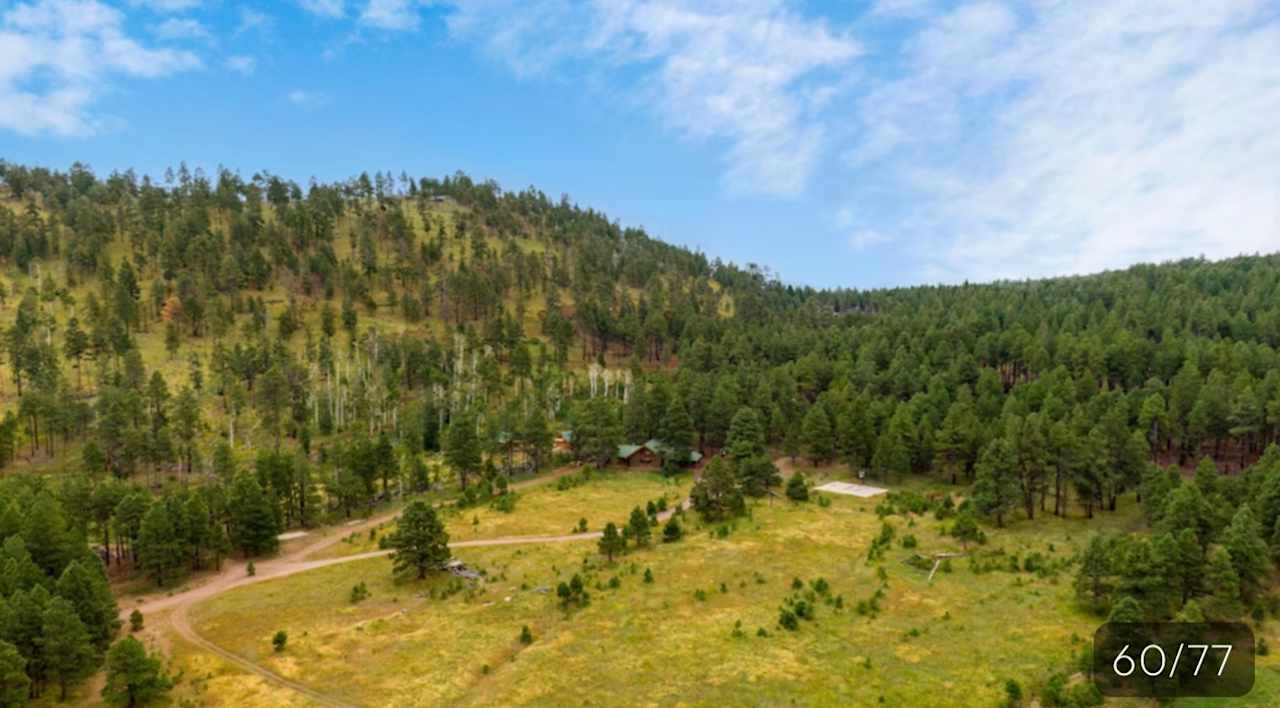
x: 1169, y: 659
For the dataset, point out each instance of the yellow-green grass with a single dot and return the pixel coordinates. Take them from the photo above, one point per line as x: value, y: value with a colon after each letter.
x: 660, y: 643
x: 546, y: 510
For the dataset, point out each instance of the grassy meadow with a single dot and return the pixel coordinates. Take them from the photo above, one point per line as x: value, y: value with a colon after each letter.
x: 692, y: 635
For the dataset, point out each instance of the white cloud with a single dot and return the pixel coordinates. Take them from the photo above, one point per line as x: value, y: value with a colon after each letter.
x: 398, y: 15
x: 181, y: 28
x: 58, y: 56
x: 1066, y: 137
x: 749, y: 75
x: 324, y: 8
x: 166, y: 5
x: 902, y: 8
x: 242, y: 64
x: 307, y: 99
x: 252, y: 20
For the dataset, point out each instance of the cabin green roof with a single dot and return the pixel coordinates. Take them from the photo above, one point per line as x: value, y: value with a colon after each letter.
x: 626, y: 451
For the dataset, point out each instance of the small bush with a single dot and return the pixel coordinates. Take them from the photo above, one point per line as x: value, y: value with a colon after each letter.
x: 526, y: 637
x: 672, y: 532
x: 250, y: 569
x: 135, y: 621
x: 359, y: 593
x: 279, y: 640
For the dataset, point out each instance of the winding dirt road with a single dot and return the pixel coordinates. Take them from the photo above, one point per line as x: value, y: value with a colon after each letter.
x: 297, y: 561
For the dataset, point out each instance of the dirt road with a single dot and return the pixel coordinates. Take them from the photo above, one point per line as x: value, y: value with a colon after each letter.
x: 297, y: 560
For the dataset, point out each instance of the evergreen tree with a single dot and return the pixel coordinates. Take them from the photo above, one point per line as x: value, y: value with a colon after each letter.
x: 254, y: 526
x: 420, y: 541
x: 1221, y: 577
x: 611, y: 542
x: 756, y: 474
x: 65, y: 648
x: 1249, y: 555
x: 716, y: 495
x: 996, y: 491
x: 746, y: 436
x: 1126, y: 609
x: 462, y: 448
x: 817, y: 437
x: 596, y: 433
x: 1093, y: 576
x: 639, y: 526
x: 797, y: 490
x: 676, y: 430
x: 15, y: 686
x: 134, y: 677
x: 85, y: 587
x: 160, y: 550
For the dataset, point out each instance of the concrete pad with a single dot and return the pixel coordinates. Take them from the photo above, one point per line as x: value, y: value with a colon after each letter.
x: 291, y: 535
x: 854, y: 490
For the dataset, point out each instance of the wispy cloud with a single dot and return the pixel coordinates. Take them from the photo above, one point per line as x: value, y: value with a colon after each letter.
x: 241, y: 64
x: 167, y: 5
x: 394, y: 15
x: 307, y: 99
x: 252, y: 20
x: 324, y: 8
x: 176, y: 28
x: 1069, y: 137
x: 57, y: 56
x: 749, y: 75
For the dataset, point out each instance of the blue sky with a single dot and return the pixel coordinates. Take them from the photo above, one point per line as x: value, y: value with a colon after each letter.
x: 853, y: 143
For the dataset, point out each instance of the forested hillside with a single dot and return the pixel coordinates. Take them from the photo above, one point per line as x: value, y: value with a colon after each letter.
x: 196, y: 363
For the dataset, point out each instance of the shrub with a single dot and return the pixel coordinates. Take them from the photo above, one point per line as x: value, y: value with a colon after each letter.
x: 788, y: 620
x: 279, y: 640
x: 359, y: 593
x: 506, y: 503
x: 526, y: 637
x: 797, y: 490
x: 250, y: 569
x: 135, y: 621
x: 672, y: 532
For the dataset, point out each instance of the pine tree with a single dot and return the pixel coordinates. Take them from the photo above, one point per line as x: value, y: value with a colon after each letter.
x: 254, y: 526
x: 672, y: 531
x: 160, y: 551
x: 756, y: 474
x: 611, y: 542
x: 420, y: 541
x: 676, y: 430
x: 817, y: 437
x: 716, y: 495
x: 996, y: 491
x: 797, y: 490
x: 462, y: 448
x: 1126, y: 609
x: 65, y: 648
x: 85, y: 587
x: 187, y: 424
x: 15, y: 686
x: 746, y: 435
x: 1222, y: 578
x: 134, y: 677
x: 1249, y: 555
x: 639, y: 525
x: 1092, y: 579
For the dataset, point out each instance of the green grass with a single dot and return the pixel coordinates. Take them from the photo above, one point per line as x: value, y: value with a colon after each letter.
x: 664, y: 643
x: 546, y: 510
